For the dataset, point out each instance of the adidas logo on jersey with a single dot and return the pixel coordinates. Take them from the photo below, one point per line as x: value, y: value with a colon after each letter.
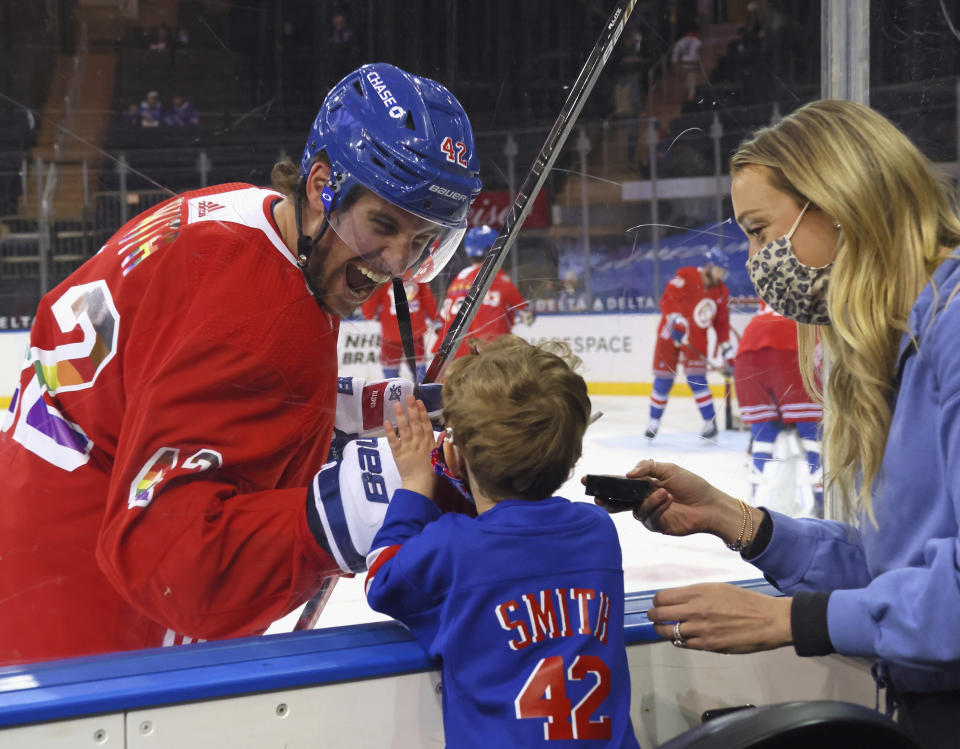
x: 207, y: 206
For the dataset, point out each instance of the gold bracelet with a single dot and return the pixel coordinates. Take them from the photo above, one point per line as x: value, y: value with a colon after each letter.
x: 738, y: 544
x: 749, y: 539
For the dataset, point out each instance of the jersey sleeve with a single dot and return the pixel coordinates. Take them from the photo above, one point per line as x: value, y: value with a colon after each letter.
x: 409, y: 570
x: 195, y: 534
x: 674, y: 295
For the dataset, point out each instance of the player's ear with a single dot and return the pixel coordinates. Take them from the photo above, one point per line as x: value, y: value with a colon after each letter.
x: 316, y: 181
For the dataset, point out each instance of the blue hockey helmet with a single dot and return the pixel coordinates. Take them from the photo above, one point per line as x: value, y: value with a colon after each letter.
x: 406, y: 139
x: 719, y: 258
x: 477, y: 241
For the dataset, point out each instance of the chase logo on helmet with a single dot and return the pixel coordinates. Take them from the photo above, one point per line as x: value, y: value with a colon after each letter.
x: 447, y: 193
x: 383, y: 92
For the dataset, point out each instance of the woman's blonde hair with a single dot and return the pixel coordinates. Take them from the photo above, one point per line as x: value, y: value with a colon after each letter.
x: 895, y: 216
x: 518, y: 413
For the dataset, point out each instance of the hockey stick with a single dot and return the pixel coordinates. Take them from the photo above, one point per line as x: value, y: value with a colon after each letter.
x: 402, y: 305
x: 518, y: 213
x: 531, y: 186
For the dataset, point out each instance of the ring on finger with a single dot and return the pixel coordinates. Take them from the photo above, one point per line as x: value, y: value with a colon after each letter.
x: 678, y: 639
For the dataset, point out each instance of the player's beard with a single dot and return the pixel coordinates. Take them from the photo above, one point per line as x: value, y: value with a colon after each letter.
x: 327, y: 278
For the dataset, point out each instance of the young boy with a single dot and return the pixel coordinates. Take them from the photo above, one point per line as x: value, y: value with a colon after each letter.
x: 523, y: 603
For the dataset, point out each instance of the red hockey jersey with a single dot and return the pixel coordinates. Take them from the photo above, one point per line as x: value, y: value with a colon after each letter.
x: 496, y: 314
x: 177, y: 397
x: 702, y: 308
x: 381, y: 306
x: 767, y: 329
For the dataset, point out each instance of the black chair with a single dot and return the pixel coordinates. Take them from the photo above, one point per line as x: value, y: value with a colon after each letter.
x: 796, y: 725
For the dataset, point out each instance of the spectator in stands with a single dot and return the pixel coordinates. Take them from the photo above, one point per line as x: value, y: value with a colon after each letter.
x: 342, y: 47
x: 531, y: 569
x: 131, y: 117
x: 161, y: 40
x: 341, y: 34
x: 854, y: 235
x: 181, y: 113
x: 151, y: 110
x: 686, y: 54
x: 423, y: 314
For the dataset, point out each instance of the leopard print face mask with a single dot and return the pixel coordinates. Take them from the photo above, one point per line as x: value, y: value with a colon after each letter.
x: 793, y: 289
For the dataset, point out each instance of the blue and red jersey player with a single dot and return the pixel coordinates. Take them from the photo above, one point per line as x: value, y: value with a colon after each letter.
x: 423, y: 313
x: 524, y: 602
x: 771, y: 394
x: 694, y: 300
x: 502, y: 307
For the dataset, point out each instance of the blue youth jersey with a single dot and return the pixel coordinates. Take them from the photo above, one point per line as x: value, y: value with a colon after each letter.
x: 524, y: 604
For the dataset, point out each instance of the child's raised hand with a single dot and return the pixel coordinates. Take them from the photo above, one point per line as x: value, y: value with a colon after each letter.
x: 411, y: 443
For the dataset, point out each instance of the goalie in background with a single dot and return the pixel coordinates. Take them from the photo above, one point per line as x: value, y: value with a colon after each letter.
x: 502, y: 307
x: 694, y: 300
x: 772, y: 397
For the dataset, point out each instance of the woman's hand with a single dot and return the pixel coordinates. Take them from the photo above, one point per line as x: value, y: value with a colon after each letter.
x: 411, y: 443
x: 683, y: 503
x: 721, y: 618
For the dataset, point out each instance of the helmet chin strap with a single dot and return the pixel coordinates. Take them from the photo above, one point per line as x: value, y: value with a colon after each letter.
x: 305, y: 243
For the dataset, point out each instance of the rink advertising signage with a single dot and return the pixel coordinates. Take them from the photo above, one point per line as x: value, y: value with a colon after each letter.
x: 591, y: 344
x: 492, y: 206
x: 359, y: 344
x: 16, y: 322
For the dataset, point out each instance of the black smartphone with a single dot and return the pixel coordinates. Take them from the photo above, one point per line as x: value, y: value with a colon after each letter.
x: 619, y: 492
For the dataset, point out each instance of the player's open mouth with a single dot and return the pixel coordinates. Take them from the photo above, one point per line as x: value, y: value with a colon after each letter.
x: 362, y: 280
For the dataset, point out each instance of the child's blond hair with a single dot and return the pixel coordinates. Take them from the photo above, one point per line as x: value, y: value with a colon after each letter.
x: 518, y: 413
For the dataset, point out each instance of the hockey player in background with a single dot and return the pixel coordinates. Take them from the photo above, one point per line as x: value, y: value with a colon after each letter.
x: 423, y: 314
x: 771, y: 395
x: 694, y: 300
x: 523, y: 603
x: 502, y: 307
x: 161, y: 454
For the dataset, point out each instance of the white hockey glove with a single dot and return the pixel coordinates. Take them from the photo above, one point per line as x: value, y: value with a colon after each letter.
x: 526, y: 316
x: 362, y: 407
x: 347, y: 500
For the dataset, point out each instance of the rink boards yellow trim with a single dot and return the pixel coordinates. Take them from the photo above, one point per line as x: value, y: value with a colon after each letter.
x: 594, y: 388
x: 642, y: 388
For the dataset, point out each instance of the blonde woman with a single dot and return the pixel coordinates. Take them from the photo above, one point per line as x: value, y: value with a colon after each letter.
x: 852, y: 235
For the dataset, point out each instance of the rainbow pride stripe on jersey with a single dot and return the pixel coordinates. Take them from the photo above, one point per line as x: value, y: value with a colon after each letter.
x: 154, y: 232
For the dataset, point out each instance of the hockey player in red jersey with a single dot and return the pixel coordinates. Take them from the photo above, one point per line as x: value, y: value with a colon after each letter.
x: 180, y: 389
x: 423, y: 313
x: 502, y: 307
x: 694, y: 300
x: 771, y: 395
